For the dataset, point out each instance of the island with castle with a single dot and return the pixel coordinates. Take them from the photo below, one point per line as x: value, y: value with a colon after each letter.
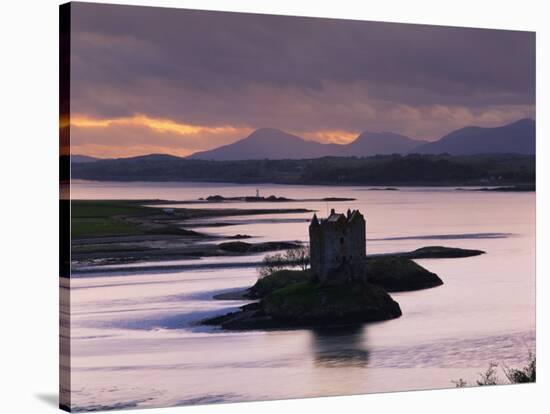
x: 343, y: 285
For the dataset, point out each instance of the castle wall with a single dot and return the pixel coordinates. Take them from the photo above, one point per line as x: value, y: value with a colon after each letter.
x: 316, y: 249
x: 357, y: 241
x: 338, y: 247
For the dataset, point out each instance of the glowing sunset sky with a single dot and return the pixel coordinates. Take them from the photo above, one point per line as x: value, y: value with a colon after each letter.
x: 155, y: 80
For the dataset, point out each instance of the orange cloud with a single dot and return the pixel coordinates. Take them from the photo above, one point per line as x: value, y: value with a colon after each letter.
x: 116, y: 151
x: 142, y: 134
x: 156, y: 124
x: 330, y: 136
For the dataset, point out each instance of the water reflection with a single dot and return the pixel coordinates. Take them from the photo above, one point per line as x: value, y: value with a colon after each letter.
x: 337, y: 347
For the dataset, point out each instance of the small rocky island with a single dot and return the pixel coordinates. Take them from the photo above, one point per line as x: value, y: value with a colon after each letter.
x: 271, y: 199
x: 343, y: 286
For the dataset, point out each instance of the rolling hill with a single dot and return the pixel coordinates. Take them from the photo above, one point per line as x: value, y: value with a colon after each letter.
x: 380, y: 143
x: 267, y: 143
x: 83, y: 158
x: 515, y: 138
x: 274, y: 144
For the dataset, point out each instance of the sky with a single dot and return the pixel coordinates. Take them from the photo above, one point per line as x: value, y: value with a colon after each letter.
x: 157, y: 80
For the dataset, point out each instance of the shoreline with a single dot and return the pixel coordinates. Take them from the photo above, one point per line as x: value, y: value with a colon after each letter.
x: 422, y: 253
x: 126, y: 231
x: 375, y: 186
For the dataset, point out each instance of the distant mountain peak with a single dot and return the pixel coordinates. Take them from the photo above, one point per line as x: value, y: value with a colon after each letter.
x: 517, y: 137
x: 265, y: 143
x: 270, y: 133
x: 266, y: 130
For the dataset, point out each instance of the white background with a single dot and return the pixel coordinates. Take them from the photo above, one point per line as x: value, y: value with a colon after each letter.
x: 29, y: 174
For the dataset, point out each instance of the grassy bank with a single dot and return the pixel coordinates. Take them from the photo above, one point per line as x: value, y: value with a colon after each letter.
x: 124, y: 231
x: 106, y: 218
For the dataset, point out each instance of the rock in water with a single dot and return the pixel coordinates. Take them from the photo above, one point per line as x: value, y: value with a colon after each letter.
x: 398, y: 274
x: 440, y: 252
x: 310, y: 303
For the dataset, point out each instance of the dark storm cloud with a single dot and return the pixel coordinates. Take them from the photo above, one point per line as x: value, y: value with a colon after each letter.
x: 296, y: 73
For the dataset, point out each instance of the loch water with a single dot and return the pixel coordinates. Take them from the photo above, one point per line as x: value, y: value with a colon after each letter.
x: 135, y: 341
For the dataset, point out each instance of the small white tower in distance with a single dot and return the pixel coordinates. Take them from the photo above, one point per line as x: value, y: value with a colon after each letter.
x: 257, y: 193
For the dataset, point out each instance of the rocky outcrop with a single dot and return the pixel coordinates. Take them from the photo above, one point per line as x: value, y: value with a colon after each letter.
x: 440, y: 252
x: 308, y: 304
x: 398, y: 274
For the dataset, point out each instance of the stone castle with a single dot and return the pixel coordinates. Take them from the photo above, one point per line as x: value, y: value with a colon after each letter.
x: 338, y: 247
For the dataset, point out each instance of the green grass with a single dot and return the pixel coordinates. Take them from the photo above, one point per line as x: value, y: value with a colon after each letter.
x: 107, y: 208
x: 106, y: 218
x: 103, y: 227
x: 308, y: 295
x: 278, y: 280
x: 303, y: 295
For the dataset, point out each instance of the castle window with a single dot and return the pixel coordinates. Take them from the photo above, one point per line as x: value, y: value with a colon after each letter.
x: 341, y: 240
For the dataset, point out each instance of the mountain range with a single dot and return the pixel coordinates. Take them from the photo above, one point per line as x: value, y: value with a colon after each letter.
x: 269, y: 143
x: 274, y: 144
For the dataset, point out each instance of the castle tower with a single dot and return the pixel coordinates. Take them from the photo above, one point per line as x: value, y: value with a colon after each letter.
x: 338, y: 247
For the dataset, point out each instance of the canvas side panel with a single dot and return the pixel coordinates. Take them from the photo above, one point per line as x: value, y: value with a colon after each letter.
x: 64, y: 207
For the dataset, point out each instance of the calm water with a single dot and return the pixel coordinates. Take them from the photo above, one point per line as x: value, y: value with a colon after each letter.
x: 135, y: 341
